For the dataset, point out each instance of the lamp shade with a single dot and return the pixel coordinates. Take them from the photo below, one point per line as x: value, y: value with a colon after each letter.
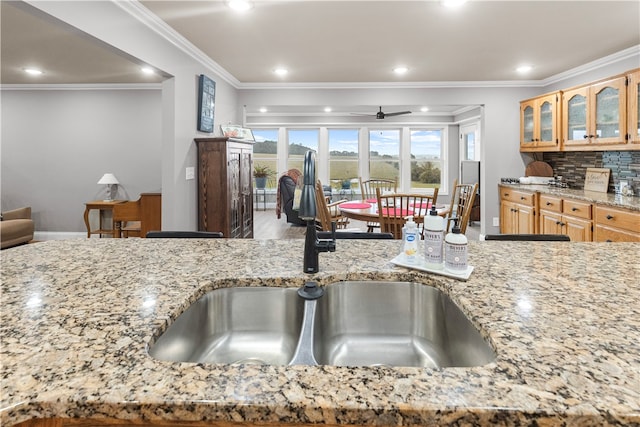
x: 108, y: 178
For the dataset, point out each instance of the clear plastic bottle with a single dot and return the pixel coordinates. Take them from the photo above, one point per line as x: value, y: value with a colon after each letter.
x: 433, y: 239
x: 411, y: 237
x: 455, y: 250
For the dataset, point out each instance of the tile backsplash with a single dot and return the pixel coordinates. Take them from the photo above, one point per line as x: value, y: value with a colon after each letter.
x: 572, y: 166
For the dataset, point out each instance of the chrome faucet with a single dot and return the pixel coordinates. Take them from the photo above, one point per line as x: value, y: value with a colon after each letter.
x: 312, y: 245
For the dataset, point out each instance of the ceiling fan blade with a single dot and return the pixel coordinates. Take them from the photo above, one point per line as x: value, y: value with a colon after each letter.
x: 398, y: 113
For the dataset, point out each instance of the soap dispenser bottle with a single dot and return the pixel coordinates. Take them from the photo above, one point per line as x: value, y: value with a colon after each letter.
x: 410, y: 240
x: 433, y: 239
x: 455, y: 250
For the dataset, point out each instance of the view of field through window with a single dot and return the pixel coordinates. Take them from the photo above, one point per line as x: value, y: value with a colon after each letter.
x: 425, y: 148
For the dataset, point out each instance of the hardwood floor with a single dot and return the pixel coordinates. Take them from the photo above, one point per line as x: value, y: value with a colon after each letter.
x: 267, y: 226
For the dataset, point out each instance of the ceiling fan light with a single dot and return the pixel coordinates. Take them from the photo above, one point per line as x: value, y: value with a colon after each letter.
x: 400, y: 70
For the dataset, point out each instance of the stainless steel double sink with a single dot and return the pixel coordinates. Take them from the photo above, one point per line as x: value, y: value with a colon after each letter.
x: 366, y: 323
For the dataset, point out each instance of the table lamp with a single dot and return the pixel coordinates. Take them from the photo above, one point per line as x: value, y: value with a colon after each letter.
x: 109, y: 180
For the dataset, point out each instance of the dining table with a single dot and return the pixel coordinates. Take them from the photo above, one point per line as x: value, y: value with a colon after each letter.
x: 367, y: 210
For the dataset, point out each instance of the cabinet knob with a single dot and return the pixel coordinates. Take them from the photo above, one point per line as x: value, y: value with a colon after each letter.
x: 548, y: 203
x: 574, y: 209
x: 609, y: 217
x: 586, y: 136
x: 523, y: 198
x: 558, y: 223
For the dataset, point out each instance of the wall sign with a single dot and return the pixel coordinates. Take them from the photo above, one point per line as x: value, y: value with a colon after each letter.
x: 206, y: 103
x: 597, y: 179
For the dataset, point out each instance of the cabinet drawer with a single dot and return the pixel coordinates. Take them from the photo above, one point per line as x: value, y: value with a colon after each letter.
x: 517, y: 196
x: 550, y: 203
x: 618, y: 218
x: 576, y: 208
x: 609, y: 234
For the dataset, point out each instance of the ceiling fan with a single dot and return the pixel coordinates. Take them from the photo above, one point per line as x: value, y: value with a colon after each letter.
x: 380, y: 115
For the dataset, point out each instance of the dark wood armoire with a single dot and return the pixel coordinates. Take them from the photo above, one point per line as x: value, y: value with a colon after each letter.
x: 225, y: 186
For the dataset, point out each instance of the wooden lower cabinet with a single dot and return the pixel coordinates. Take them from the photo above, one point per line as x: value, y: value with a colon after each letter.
x: 616, y: 225
x: 517, y: 211
x: 581, y: 220
x: 517, y: 219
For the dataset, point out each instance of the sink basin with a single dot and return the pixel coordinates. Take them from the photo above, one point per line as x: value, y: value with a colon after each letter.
x: 365, y: 323
x: 258, y: 325
x: 396, y: 324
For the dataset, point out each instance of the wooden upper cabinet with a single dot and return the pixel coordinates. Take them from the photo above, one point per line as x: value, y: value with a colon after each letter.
x: 633, y: 107
x: 539, y: 123
x: 595, y: 115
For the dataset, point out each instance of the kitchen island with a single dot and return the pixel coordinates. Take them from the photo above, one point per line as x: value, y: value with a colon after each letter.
x: 77, y: 316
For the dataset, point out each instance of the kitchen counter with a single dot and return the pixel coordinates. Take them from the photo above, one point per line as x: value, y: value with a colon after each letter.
x: 608, y: 199
x: 77, y: 315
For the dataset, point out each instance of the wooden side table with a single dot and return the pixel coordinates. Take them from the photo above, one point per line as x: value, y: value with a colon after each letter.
x: 101, y: 206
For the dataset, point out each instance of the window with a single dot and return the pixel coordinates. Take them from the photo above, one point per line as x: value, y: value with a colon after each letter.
x: 301, y: 141
x: 265, y: 152
x: 343, y: 155
x: 426, y: 158
x: 384, y: 154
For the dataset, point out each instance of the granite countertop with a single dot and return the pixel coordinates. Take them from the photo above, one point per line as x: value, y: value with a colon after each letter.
x: 607, y: 199
x: 77, y: 316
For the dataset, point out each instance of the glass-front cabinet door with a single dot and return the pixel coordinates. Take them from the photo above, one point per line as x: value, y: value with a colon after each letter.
x: 609, y: 100
x: 539, y: 123
x: 633, y: 109
x: 574, y: 120
x: 547, y: 111
x: 595, y: 114
x: 527, y: 124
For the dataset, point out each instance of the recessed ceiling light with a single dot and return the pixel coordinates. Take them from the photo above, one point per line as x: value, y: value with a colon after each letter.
x: 327, y: 109
x: 524, y: 68
x: 263, y: 110
x: 400, y: 70
x: 424, y: 109
x: 240, y: 5
x: 33, y: 71
x: 147, y: 70
x: 281, y: 71
x: 453, y: 3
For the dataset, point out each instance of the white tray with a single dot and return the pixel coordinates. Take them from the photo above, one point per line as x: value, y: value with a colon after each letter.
x: 420, y: 264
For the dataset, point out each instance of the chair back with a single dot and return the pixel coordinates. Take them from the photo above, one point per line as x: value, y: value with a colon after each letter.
x: 529, y: 237
x: 461, y: 205
x: 393, y: 209
x: 368, y: 187
x: 183, y: 234
x: 328, y: 212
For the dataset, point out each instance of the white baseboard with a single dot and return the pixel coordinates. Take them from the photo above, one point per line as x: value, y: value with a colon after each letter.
x: 58, y: 235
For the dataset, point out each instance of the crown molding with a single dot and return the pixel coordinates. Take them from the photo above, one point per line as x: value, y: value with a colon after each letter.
x: 89, y: 86
x: 144, y: 15
x: 394, y: 85
x: 594, y: 65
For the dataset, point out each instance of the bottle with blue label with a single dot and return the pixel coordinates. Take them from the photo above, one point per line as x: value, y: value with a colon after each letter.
x: 455, y: 250
x: 411, y: 237
x: 433, y: 239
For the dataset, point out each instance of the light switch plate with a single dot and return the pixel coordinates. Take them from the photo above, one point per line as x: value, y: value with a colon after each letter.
x: 190, y: 173
x: 496, y: 222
